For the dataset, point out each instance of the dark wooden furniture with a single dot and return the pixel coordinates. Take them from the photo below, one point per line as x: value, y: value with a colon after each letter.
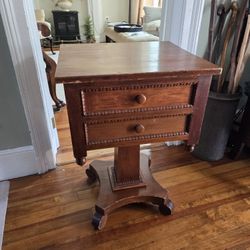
x: 122, y: 95
x: 50, y: 71
x: 66, y: 25
x: 45, y: 35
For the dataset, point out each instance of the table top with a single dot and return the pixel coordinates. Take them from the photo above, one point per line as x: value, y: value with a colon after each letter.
x: 85, y: 61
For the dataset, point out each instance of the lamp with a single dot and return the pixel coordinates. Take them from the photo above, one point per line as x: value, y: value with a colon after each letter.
x: 64, y: 4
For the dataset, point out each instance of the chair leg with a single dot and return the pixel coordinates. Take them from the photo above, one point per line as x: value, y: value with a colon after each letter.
x: 50, y: 71
x: 52, y: 88
x: 51, y: 45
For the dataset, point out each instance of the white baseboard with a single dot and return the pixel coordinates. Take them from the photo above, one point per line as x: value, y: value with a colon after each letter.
x: 18, y: 162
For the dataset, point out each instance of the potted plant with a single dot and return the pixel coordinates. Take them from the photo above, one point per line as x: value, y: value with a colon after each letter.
x: 89, y: 30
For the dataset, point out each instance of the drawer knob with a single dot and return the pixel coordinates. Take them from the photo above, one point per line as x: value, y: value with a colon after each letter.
x: 141, y: 99
x: 139, y: 128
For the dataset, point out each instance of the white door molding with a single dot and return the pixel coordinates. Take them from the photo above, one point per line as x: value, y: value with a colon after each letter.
x: 18, y: 162
x: 95, y: 11
x: 181, y: 22
x: 23, y: 40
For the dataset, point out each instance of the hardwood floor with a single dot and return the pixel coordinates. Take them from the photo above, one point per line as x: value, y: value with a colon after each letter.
x: 53, y: 211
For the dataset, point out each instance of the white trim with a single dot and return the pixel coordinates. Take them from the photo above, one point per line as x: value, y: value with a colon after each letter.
x: 181, y: 22
x: 41, y: 75
x: 18, y: 162
x: 22, y: 35
x: 95, y: 11
x: 195, y: 25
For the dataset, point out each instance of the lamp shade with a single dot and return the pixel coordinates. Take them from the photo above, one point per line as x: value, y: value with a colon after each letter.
x: 40, y: 15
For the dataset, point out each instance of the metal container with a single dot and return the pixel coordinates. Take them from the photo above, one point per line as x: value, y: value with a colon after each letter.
x: 217, y: 124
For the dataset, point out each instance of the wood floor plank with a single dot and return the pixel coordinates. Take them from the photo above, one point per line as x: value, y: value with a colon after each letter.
x: 183, y: 231
x: 53, y: 211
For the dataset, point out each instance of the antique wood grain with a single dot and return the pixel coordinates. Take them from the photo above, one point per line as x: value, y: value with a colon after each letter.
x: 74, y: 104
x: 93, y: 61
x: 212, y: 204
x: 200, y: 103
x: 123, y: 173
x: 111, y: 99
x: 119, y: 106
x: 125, y: 128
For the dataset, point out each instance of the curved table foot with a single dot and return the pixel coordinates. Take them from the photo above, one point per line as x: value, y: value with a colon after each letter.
x: 92, y: 175
x: 81, y: 161
x: 166, y: 208
x: 110, y: 198
x: 58, y: 104
x: 99, y: 221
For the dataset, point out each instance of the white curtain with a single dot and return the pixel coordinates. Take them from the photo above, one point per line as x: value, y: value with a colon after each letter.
x: 182, y: 30
x: 137, y: 8
x: 136, y: 11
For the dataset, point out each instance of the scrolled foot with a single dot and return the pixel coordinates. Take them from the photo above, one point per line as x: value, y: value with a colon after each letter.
x: 166, y: 209
x: 56, y: 108
x: 62, y: 103
x: 91, y: 175
x: 80, y: 161
x: 99, y: 221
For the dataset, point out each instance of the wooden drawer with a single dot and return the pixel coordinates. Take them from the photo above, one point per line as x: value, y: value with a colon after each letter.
x: 133, y: 129
x: 113, y: 100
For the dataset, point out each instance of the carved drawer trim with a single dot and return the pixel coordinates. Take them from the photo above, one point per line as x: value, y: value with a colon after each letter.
x: 127, y: 111
x: 138, y: 138
x: 139, y: 86
x: 132, y: 118
x: 135, y: 128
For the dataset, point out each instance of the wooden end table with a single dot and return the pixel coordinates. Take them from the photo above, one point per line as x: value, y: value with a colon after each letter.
x: 126, y: 94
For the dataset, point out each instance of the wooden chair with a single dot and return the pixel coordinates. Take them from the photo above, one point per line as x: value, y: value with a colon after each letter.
x: 50, y: 71
x: 45, y: 34
x: 44, y: 28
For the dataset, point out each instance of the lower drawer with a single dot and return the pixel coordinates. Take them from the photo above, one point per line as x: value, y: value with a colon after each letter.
x: 133, y: 129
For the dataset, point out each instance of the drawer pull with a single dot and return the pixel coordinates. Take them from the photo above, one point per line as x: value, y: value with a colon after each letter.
x: 141, y: 99
x: 139, y: 128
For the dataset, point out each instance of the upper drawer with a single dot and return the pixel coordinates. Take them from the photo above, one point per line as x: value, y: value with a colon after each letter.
x: 140, y: 97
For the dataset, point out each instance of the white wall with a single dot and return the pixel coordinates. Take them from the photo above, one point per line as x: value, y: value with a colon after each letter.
x: 14, y: 130
x: 115, y: 10
x: 203, y: 37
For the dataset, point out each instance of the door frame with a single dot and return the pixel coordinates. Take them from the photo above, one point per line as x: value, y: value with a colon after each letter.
x: 25, y: 49
x: 181, y: 23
